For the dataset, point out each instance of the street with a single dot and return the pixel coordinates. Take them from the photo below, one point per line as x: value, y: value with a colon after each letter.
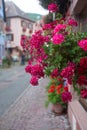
x: 13, y: 82
x: 29, y: 112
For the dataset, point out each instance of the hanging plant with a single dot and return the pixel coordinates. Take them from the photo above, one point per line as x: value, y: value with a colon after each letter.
x: 30, y: 31
x: 24, y: 29
x: 7, y: 28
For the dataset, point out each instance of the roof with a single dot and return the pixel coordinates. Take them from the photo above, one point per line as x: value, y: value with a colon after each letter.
x: 34, y: 16
x: 13, y: 10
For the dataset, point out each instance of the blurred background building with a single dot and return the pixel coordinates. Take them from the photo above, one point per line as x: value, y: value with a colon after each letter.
x: 2, y: 33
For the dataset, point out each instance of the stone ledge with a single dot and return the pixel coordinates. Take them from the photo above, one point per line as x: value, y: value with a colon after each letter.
x: 77, y: 116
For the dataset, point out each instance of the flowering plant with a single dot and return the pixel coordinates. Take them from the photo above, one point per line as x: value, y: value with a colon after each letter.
x: 24, y: 29
x: 57, y: 50
x: 7, y: 28
x: 58, y: 93
x: 52, y: 7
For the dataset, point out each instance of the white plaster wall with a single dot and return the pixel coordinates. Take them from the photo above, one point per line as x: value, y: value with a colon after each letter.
x: 17, y: 30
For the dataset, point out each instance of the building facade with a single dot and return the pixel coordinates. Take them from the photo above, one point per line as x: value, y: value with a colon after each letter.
x: 17, y: 25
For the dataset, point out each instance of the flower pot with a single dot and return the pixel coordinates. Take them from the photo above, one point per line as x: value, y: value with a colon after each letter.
x: 57, y: 108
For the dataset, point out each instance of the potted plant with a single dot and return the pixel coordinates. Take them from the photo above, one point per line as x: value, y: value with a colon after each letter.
x: 58, y: 95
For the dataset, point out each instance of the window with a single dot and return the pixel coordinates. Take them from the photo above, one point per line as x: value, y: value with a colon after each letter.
x: 8, y: 22
x: 30, y: 26
x: 9, y: 37
x: 23, y: 24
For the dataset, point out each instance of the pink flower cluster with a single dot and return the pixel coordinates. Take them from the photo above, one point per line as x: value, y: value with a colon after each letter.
x: 36, y: 71
x: 59, y: 27
x: 82, y: 68
x: 82, y: 71
x: 34, y: 81
x: 83, y: 44
x: 53, y: 7
x: 66, y: 96
x: 72, y: 22
x: 49, y: 26
x: 83, y: 62
x: 37, y: 40
x: 84, y: 93
x: 58, y: 39
x: 82, y: 80
x: 54, y: 73
x: 36, y: 46
x: 68, y: 73
x: 28, y: 68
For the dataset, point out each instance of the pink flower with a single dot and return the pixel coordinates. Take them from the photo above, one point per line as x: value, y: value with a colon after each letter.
x: 82, y: 68
x: 54, y: 73
x: 72, y: 22
x: 28, y: 68
x: 68, y: 73
x: 82, y: 80
x: 58, y: 38
x: 46, y: 38
x: 83, y: 62
x: 52, y: 7
x: 83, y: 44
x: 49, y: 26
x: 66, y: 96
x: 37, y: 71
x: 84, y: 93
x: 59, y: 27
x: 34, y: 81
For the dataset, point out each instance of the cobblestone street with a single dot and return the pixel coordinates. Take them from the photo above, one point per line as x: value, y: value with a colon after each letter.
x: 29, y: 112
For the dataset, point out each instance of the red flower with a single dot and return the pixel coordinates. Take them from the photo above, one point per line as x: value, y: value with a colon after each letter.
x: 58, y: 88
x: 60, y: 79
x: 66, y: 88
x: 52, y: 89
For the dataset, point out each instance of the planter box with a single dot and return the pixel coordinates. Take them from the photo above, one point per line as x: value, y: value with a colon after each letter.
x: 76, y: 112
x: 77, y: 116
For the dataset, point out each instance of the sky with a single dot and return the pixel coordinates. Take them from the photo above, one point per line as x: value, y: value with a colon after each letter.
x: 30, y: 6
